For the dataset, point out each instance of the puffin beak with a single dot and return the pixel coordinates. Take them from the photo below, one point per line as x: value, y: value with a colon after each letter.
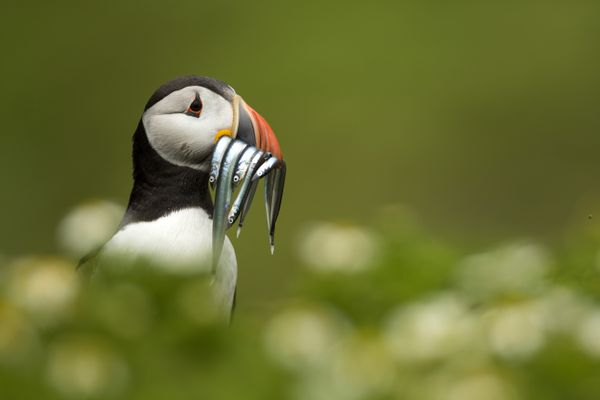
x: 253, y: 129
x: 254, y: 154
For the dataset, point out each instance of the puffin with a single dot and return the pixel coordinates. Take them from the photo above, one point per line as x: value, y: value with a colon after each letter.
x: 168, y: 219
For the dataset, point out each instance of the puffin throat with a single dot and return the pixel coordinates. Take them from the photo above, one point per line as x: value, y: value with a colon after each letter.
x: 159, y: 187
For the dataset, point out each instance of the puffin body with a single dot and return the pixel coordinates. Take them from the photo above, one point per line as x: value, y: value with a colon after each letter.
x: 168, y: 220
x: 179, y: 242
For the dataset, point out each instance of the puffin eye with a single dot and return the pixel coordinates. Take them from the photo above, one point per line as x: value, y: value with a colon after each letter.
x: 195, y: 108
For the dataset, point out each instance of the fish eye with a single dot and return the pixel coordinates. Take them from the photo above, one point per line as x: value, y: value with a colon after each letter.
x: 195, y: 108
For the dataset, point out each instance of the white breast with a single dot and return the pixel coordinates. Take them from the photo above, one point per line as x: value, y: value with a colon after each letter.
x: 180, y: 242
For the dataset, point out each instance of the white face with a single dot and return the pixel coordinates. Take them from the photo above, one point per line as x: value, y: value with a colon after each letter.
x: 183, y: 139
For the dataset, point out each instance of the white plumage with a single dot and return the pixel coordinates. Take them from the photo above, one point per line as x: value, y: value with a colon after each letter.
x: 180, y: 243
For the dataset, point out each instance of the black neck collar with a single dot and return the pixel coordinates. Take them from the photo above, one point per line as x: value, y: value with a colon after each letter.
x: 160, y: 187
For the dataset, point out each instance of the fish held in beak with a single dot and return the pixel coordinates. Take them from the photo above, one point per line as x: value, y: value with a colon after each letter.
x: 249, y: 153
x: 223, y: 195
x: 256, y: 131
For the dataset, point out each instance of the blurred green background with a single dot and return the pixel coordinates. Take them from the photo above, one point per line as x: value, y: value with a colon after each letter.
x: 481, y: 117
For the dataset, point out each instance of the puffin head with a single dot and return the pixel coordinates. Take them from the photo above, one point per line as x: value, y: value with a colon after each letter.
x: 185, y: 117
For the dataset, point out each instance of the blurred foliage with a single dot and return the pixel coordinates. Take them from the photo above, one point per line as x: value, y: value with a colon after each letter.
x: 416, y: 318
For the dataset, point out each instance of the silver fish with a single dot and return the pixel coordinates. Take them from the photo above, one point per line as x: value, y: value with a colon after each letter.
x: 223, y: 196
x: 242, y: 166
x: 246, y: 206
x: 257, y: 158
x: 247, y: 202
x: 234, y: 163
x: 218, y: 154
x: 273, y: 196
x: 266, y: 168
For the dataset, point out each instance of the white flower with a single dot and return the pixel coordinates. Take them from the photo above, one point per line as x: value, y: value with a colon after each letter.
x: 516, y: 331
x: 303, y: 337
x: 83, y: 367
x: 362, y: 368
x: 88, y: 226
x: 478, y: 386
x: 430, y: 330
x: 517, y: 268
x: 44, y: 286
x: 563, y: 309
x: 359, y: 367
x: 587, y: 334
x: 335, y: 247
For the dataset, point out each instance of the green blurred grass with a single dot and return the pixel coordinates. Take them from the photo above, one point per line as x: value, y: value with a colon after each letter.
x: 408, y: 324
